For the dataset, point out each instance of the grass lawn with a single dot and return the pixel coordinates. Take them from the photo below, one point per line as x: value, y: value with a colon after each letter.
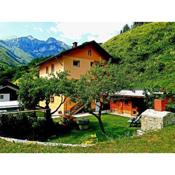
x: 162, y: 141
x: 116, y: 127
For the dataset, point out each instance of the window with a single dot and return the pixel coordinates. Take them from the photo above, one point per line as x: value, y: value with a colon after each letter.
x: 47, y: 70
x: 1, y: 96
x: 52, y: 99
x: 52, y: 68
x: 91, y: 63
x: 76, y: 63
x: 89, y: 52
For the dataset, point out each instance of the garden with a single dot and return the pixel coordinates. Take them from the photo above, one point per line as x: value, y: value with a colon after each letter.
x: 99, y: 132
x: 116, y: 128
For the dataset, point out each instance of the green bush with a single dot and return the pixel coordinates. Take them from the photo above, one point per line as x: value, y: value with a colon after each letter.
x: 170, y: 106
x: 17, y: 124
x: 27, y: 126
x: 42, y: 129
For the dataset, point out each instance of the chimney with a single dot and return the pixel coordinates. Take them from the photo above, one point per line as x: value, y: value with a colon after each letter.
x: 74, y: 44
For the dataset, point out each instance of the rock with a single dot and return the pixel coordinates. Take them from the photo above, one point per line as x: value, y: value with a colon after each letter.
x: 140, y: 132
x: 154, y: 120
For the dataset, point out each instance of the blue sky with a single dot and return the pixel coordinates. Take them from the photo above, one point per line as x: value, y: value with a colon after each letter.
x: 66, y: 32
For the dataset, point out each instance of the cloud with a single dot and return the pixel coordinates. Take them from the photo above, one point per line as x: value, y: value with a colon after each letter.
x: 86, y: 31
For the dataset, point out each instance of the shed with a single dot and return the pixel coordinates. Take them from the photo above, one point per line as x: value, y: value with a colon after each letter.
x: 128, y: 102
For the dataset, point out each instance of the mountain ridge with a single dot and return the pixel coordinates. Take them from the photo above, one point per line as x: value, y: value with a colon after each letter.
x: 22, y: 50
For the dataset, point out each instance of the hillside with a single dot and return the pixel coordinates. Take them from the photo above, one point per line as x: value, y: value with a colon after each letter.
x: 147, y: 53
x: 7, y: 58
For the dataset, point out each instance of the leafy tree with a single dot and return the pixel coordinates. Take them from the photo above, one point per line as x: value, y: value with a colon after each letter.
x: 33, y: 89
x: 136, y: 24
x: 97, y: 86
x: 125, y: 28
x: 29, y: 90
x: 62, y: 86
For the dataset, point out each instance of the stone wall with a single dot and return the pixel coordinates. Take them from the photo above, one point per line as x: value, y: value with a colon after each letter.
x: 154, y: 120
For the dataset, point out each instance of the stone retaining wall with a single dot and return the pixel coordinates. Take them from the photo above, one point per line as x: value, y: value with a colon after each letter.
x: 13, y: 140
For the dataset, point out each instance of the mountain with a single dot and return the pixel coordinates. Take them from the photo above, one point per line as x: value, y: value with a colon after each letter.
x: 34, y: 48
x: 22, y: 50
x: 147, y: 53
x: 8, y: 58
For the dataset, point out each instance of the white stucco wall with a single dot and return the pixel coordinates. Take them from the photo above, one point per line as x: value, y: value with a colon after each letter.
x: 4, y: 97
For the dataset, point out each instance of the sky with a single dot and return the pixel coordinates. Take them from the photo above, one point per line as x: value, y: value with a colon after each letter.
x: 64, y: 31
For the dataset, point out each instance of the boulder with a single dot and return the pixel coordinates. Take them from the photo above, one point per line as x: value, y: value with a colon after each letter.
x: 154, y: 120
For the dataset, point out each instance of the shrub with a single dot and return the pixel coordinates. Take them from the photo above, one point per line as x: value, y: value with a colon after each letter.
x: 25, y: 125
x: 69, y: 122
x: 17, y: 124
x: 42, y: 129
x: 170, y: 106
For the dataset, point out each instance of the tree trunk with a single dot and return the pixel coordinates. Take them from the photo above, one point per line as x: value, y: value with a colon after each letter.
x: 48, y: 114
x: 101, y: 124
x: 48, y: 111
x: 98, y: 116
x: 62, y: 102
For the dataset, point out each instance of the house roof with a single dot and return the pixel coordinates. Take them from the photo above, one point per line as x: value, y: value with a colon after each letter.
x: 131, y: 93
x: 9, y: 104
x: 8, y: 84
x: 93, y: 43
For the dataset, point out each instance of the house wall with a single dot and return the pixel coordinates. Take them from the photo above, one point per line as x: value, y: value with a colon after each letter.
x: 10, y: 94
x: 85, y: 61
x: 65, y: 63
x: 58, y: 66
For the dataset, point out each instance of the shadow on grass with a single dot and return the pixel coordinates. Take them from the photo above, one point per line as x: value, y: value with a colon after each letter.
x: 115, y: 127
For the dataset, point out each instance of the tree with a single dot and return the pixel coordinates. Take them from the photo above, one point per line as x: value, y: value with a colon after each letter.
x: 33, y: 89
x: 63, y: 87
x: 97, y: 86
x: 29, y: 92
x: 125, y: 28
x: 136, y: 24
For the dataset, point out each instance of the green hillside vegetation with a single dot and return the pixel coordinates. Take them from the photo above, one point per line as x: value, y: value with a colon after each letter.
x: 26, y: 58
x: 14, y: 73
x: 147, y: 52
x: 6, y: 58
x: 11, y: 58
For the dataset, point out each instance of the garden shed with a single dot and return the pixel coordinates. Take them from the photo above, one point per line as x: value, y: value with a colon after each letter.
x: 128, y: 102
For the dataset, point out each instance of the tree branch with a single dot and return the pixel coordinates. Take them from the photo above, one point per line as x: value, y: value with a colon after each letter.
x: 41, y: 107
x: 94, y: 114
x: 62, y: 102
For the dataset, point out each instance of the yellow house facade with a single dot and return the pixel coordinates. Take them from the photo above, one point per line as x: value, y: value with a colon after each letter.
x: 76, y: 61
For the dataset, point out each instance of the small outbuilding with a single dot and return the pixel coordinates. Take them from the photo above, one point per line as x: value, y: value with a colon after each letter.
x: 128, y: 102
x: 8, y: 97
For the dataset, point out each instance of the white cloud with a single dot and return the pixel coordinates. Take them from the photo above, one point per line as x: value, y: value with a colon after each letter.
x: 87, y: 31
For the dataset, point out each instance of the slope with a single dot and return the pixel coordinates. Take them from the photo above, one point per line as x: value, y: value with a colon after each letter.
x: 147, y: 53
